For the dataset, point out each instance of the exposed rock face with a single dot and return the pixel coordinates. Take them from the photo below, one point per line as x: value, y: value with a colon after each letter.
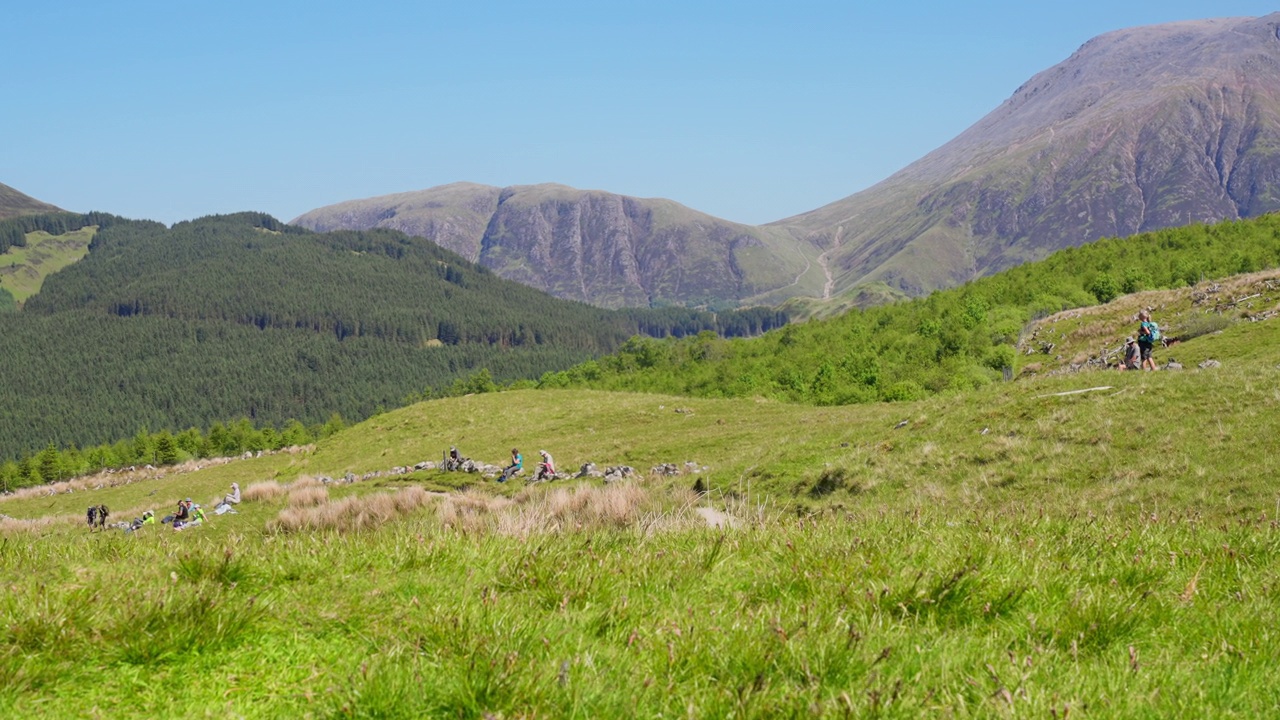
x: 597, y: 247
x: 1140, y: 129
x: 13, y: 203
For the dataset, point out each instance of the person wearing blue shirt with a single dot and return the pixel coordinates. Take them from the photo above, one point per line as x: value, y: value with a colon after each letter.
x: 517, y: 464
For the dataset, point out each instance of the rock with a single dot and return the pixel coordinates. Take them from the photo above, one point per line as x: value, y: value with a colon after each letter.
x: 1173, y: 365
x: 1208, y: 364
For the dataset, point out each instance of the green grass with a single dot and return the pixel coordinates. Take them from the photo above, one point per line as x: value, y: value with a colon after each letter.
x: 1006, y: 552
x: 23, y: 269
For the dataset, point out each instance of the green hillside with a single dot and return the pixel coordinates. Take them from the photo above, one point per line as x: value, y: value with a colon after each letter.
x: 962, y: 338
x: 14, y: 203
x: 23, y: 269
x: 1092, y: 544
x: 241, y: 316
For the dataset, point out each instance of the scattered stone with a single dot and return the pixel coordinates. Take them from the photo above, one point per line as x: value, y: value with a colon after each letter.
x: 1173, y: 365
x: 901, y: 425
x: 665, y: 470
x: 1208, y: 364
x: 615, y: 473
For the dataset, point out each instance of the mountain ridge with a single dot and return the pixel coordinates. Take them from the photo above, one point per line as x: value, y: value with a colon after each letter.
x: 590, y: 245
x: 1139, y: 129
x: 14, y: 203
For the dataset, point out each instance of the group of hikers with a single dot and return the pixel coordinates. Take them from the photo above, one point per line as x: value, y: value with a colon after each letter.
x: 1137, y: 354
x: 188, y: 513
x: 546, y: 466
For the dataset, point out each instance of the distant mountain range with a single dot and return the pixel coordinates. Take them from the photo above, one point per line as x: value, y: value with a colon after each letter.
x: 14, y: 203
x: 597, y: 247
x: 1140, y: 129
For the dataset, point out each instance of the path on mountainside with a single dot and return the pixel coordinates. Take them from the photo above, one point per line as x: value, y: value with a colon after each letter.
x: 826, y: 269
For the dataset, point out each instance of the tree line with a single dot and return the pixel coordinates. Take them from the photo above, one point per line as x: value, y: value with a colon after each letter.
x: 159, y: 449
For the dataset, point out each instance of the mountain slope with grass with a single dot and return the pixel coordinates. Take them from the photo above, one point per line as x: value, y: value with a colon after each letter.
x: 596, y: 247
x: 1026, y: 548
x: 14, y: 203
x: 965, y: 337
x: 1140, y: 129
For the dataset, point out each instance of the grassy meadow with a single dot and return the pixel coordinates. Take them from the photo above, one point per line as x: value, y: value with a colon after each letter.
x: 23, y: 269
x: 1092, y: 544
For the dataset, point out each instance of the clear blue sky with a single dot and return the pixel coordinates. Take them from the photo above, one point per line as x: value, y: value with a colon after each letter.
x: 750, y: 111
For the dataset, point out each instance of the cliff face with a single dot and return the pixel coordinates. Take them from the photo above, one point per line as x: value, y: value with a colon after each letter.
x: 1138, y: 130
x: 605, y: 249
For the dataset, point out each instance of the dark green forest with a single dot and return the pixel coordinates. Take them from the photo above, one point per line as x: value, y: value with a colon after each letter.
x: 953, y: 339
x: 243, y: 316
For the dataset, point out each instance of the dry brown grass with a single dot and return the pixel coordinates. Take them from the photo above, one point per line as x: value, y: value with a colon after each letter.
x: 308, y: 496
x: 352, y: 513
x: 263, y: 492
x: 582, y: 508
x: 10, y: 525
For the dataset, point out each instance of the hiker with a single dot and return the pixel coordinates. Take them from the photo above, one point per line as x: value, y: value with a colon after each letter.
x: 454, y: 460
x: 148, y: 518
x: 97, y: 517
x: 183, y: 516
x: 197, y: 517
x: 546, y: 468
x: 517, y: 464
x: 1132, y: 358
x: 233, y: 498
x: 1148, y: 336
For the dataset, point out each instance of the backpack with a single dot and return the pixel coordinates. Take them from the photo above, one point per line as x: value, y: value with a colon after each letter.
x: 1155, y: 332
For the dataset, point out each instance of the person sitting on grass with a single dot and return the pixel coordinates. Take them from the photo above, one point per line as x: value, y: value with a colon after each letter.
x: 183, y: 516
x: 148, y: 518
x: 517, y: 464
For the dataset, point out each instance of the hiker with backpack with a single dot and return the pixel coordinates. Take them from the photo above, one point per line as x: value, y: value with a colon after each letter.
x: 1148, y: 336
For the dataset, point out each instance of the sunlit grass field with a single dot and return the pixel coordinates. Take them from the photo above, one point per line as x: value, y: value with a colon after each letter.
x: 23, y: 269
x: 1006, y: 552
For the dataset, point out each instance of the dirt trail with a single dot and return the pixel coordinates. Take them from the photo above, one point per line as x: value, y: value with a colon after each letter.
x: 830, y: 284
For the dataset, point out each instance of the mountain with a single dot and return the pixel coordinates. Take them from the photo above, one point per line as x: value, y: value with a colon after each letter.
x: 1140, y: 129
x: 243, y: 316
x: 597, y: 247
x: 13, y: 203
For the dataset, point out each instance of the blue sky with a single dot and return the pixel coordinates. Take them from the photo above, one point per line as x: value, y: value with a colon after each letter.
x: 749, y: 111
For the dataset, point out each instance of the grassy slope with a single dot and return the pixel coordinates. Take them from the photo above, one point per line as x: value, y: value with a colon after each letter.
x: 13, y: 203
x: 23, y: 269
x: 1006, y: 551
